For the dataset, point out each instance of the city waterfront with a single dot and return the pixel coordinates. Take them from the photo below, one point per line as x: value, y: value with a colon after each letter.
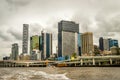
x: 60, y: 39
x: 62, y: 73
x: 79, y: 62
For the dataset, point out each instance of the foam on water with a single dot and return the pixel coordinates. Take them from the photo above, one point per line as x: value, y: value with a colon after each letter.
x: 27, y: 75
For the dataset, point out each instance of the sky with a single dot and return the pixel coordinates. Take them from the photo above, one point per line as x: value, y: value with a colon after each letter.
x: 102, y: 17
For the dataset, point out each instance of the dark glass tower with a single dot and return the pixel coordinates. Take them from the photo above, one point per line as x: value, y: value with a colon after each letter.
x: 113, y: 42
x: 101, y: 44
x: 46, y: 45
x: 79, y: 44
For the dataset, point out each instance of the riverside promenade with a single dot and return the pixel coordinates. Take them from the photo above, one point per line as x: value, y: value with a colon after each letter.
x: 81, y: 61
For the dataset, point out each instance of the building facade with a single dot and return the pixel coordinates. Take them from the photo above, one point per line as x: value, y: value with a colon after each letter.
x: 106, y: 44
x: 101, y: 46
x: 34, y: 43
x: 25, y: 38
x: 46, y: 45
x: 87, y: 43
x: 15, y: 51
x: 79, y: 44
x: 35, y: 47
x: 113, y: 42
x: 67, y: 38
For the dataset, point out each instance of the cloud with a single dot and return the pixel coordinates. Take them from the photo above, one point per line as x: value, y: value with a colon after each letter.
x: 102, y: 17
x: 35, y: 28
x: 4, y: 37
x: 16, y: 34
x: 18, y: 2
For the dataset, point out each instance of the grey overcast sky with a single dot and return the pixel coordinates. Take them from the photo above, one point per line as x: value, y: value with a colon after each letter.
x: 102, y: 17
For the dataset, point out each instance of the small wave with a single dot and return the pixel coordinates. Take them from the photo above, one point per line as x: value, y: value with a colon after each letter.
x: 27, y: 75
x: 52, y: 76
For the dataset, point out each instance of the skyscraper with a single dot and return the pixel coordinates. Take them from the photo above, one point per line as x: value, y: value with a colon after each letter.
x: 34, y: 43
x: 87, y: 43
x: 25, y: 39
x: 46, y: 45
x: 113, y: 42
x: 40, y: 43
x: 15, y: 51
x: 110, y: 42
x: 101, y: 46
x: 67, y: 38
x: 106, y: 44
x: 79, y: 44
x: 34, y: 47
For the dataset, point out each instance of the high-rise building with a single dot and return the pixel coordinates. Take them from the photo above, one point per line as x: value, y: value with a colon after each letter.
x: 34, y: 43
x: 106, y: 44
x: 67, y: 38
x: 35, y: 55
x: 113, y: 42
x: 79, y: 44
x: 46, y: 45
x: 110, y: 42
x: 34, y: 47
x: 101, y: 46
x: 40, y: 43
x: 15, y: 51
x: 87, y: 43
x: 25, y: 39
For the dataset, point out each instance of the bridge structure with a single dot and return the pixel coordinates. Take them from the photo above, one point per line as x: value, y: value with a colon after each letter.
x: 79, y: 62
x: 29, y: 63
x: 92, y: 61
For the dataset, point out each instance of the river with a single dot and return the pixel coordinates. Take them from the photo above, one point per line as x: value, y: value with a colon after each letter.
x: 63, y: 73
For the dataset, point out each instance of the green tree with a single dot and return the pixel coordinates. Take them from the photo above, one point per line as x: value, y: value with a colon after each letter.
x: 66, y: 57
x: 96, y: 50
x: 74, y: 55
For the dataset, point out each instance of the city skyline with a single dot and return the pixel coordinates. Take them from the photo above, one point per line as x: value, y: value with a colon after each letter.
x: 102, y: 20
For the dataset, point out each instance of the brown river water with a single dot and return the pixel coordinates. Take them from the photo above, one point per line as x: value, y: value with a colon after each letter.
x: 63, y: 73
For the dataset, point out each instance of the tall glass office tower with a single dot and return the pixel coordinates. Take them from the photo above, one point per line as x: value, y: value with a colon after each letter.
x: 46, y: 45
x: 79, y: 44
x: 67, y: 38
x: 113, y: 42
x: 101, y: 46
